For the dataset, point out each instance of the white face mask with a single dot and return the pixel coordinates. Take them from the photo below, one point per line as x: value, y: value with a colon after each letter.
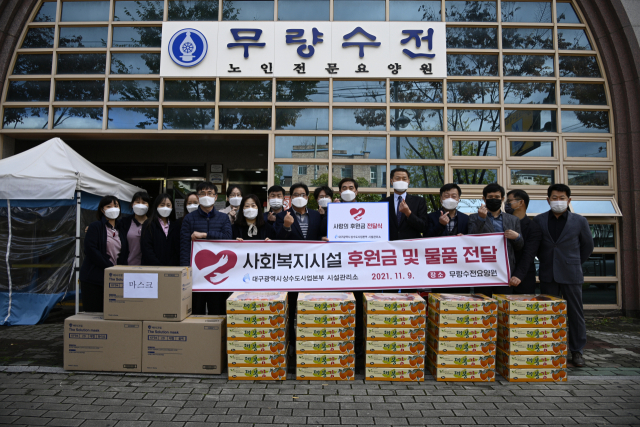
x: 275, y: 203
x: 112, y: 213
x: 299, y: 202
x: 348, y: 195
x: 164, y: 211
x: 558, y: 206
x: 323, y: 202
x: 400, y: 185
x: 207, y: 201
x: 250, y: 213
x: 192, y: 207
x: 450, y: 204
x: 235, y: 201
x: 140, y: 209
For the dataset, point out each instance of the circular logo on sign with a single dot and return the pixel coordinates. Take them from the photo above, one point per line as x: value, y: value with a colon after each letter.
x: 188, y: 47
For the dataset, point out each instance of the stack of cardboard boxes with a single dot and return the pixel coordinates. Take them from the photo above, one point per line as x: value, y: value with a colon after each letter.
x: 145, y: 327
x: 257, y: 335
x: 532, y: 338
x: 395, y: 336
x: 325, y: 336
x: 461, y: 337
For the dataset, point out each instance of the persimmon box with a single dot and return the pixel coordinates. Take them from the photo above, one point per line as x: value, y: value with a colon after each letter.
x: 462, y: 319
x: 257, y: 302
x: 532, y: 334
x: 525, y: 361
x: 308, y: 360
x: 532, y: 347
x: 462, y: 303
x: 469, y: 333
x: 409, y: 320
x: 395, y: 334
x: 253, y: 347
x: 256, y: 360
x: 461, y: 373
x: 447, y: 360
x: 532, y: 374
x: 322, y: 347
x: 372, y: 360
x: 326, y: 303
x: 394, y: 374
x: 267, y: 320
x: 550, y: 320
x: 461, y: 347
x: 330, y: 333
x: 337, y: 374
x: 396, y: 347
x: 331, y: 319
x: 531, y: 304
x: 258, y: 373
x: 392, y: 303
x: 257, y: 333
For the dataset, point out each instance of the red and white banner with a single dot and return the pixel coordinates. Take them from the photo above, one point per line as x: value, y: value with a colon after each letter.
x: 229, y: 266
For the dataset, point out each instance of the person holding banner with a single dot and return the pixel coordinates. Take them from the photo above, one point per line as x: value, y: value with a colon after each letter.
x: 161, y: 235
x: 448, y: 221
x: 407, y: 213
x: 250, y: 225
x: 275, y: 198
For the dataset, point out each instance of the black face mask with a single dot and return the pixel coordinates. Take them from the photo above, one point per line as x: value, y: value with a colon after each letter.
x: 493, y: 204
x: 508, y: 209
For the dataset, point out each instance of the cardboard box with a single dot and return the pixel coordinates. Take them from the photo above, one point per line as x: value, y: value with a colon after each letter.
x: 257, y: 373
x: 532, y: 320
x: 532, y: 334
x: 532, y: 347
x: 194, y: 346
x: 256, y: 347
x: 392, y: 303
x: 462, y: 303
x: 171, y: 287
x: 532, y: 374
x: 463, y: 319
x: 330, y: 333
x: 257, y: 360
x: 393, y: 374
x: 331, y: 319
x: 408, y: 320
x: 471, y: 333
x: 259, y: 320
x: 323, y: 374
x: 395, y: 334
x: 461, y: 374
x: 396, y: 347
x: 257, y: 302
x: 308, y: 360
x: 447, y: 360
x: 94, y: 344
x: 406, y: 361
x: 531, y: 304
x: 461, y: 347
x: 526, y: 361
x: 325, y: 347
x: 248, y: 333
x: 326, y: 303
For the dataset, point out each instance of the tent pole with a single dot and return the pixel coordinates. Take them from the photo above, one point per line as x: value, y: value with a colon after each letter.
x: 6, y: 319
x: 77, y: 261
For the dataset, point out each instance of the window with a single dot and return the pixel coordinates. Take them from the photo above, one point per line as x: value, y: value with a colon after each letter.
x: 346, y: 172
x: 302, y: 170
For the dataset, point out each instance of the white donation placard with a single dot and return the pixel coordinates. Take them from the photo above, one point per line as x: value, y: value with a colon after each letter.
x: 358, y: 222
x: 140, y: 285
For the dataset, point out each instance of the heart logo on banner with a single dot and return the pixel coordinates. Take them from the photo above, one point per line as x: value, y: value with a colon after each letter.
x: 357, y: 213
x: 214, y: 265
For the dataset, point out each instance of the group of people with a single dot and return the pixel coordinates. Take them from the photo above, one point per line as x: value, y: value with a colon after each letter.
x: 561, y: 240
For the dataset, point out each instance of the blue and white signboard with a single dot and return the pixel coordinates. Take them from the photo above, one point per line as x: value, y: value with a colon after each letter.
x: 358, y: 222
x: 238, y: 49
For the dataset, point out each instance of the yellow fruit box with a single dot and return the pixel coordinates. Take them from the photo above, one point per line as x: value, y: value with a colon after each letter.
x: 470, y: 333
x: 461, y: 347
x: 396, y: 347
x: 336, y: 374
x: 326, y: 303
x: 532, y: 334
x: 461, y: 373
x: 257, y: 302
x: 532, y: 374
x: 395, y: 334
x: 409, y: 320
x: 330, y: 333
x: 462, y: 319
x: 379, y: 303
x: 257, y: 360
x: 532, y: 320
x: 525, y: 361
x: 462, y: 303
x: 393, y: 374
x: 325, y: 347
x: 257, y: 334
x: 257, y: 320
x: 532, y: 347
x: 258, y: 373
x: 394, y: 361
x: 531, y: 304
x: 262, y: 347
x: 461, y: 360
x: 332, y: 319
x: 307, y: 360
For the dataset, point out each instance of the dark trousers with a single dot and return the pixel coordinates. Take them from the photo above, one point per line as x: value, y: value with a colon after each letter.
x: 92, y: 296
x: 572, y: 293
x: 526, y: 287
x: 292, y: 298
x: 491, y: 290
x: 214, y: 302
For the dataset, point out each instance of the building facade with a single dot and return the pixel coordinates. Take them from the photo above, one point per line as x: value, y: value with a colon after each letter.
x: 534, y: 93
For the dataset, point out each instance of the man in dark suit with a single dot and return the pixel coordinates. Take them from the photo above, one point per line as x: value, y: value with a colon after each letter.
x: 566, y: 244
x: 523, y: 278
x: 407, y: 213
x: 448, y: 221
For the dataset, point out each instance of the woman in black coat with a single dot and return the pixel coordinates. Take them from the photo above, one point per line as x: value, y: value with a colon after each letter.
x: 104, y: 247
x: 250, y: 223
x: 161, y: 235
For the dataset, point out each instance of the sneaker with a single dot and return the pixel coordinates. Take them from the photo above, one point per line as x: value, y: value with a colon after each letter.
x: 577, y: 359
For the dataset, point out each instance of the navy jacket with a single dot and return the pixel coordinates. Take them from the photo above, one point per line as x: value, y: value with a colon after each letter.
x: 412, y: 227
x: 436, y: 229
x: 158, y: 249
x: 95, y: 252
x: 316, y: 231
x: 525, y: 258
x: 216, y: 224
